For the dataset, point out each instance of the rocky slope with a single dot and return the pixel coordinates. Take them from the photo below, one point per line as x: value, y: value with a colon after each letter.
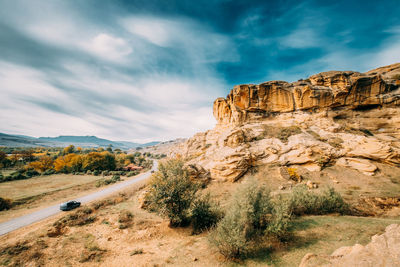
x: 383, y: 250
x: 346, y: 118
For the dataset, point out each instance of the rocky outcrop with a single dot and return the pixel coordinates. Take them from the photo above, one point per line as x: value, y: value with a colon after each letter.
x: 383, y: 250
x: 324, y: 91
x: 346, y: 118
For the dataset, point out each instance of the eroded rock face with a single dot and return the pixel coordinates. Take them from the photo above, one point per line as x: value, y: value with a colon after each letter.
x: 346, y: 118
x: 383, y: 250
x: 323, y: 91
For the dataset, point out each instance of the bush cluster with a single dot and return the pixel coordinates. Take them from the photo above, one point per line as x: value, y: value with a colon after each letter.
x: 174, y: 195
x: 205, y: 213
x: 5, y: 204
x: 251, y: 218
x: 302, y: 201
x: 112, y: 180
x: 19, y: 175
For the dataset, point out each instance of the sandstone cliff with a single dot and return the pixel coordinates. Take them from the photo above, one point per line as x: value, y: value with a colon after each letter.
x: 331, y: 90
x: 346, y: 118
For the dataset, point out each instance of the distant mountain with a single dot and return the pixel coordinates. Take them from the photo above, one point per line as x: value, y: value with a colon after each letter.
x: 65, y: 140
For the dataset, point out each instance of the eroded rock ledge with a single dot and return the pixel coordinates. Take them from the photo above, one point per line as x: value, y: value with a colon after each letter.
x: 323, y: 91
x: 347, y: 119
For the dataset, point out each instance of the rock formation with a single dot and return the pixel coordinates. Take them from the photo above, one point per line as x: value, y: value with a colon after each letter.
x: 383, y: 250
x: 330, y: 90
x: 339, y: 117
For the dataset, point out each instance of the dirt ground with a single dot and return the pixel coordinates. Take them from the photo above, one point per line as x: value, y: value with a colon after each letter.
x: 147, y: 240
x: 43, y: 191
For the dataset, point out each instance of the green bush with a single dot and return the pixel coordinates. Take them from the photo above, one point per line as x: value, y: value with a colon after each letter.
x: 112, y: 180
x: 172, y: 192
x: 250, y: 218
x: 5, y: 204
x: 204, y: 213
x: 96, y: 172
x: 132, y: 173
x: 49, y: 172
x: 302, y: 201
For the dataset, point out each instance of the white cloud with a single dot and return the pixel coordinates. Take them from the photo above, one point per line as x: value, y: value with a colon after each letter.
x: 157, y: 31
x: 109, y: 47
x: 301, y: 38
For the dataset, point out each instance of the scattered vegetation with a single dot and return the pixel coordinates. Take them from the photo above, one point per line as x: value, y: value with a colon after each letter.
x: 205, y: 213
x: 303, y: 201
x: 250, y: 219
x: 5, y: 203
x: 125, y: 219
x: 282, y: 133
x: 137, y: 252
x: 112, y: 180
x: 81, y: 216
x: 172, y: 192
x: 294, y: 175
x: 46, y: 161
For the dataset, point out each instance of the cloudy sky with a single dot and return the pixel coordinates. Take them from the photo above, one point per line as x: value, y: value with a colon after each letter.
x: 144, y: 70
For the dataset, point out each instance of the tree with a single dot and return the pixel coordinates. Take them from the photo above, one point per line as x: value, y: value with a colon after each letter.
x: 69, y: 149
x: 44, y: 163
x: 68, y: 163
x: 172, y: 192
x: 99, y: 161
x: 109, y: 148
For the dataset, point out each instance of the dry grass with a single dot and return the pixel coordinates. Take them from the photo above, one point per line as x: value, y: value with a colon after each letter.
x: 40, y: 185
x: 148, y: 241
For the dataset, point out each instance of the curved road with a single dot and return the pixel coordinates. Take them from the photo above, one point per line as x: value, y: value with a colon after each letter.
x: 25, y: 220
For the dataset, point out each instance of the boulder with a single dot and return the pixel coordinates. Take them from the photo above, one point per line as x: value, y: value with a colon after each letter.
x: 383, y: 250
x: 362, y: 165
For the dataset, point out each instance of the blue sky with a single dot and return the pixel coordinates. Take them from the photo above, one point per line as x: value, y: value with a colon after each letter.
x: 150, y: 70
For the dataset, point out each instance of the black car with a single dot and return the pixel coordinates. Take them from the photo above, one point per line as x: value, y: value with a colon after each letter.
x: 70, y: 205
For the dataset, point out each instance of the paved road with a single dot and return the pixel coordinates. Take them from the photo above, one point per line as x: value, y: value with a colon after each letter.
x: 25, y: 220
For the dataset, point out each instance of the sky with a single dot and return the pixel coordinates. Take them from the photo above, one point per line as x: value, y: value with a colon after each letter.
x: 145, y: 70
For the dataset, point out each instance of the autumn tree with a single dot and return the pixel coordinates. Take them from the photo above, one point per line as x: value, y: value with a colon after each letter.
x: 69, y: 149
x: 68, y: 163
x: 44, y: 163
x: 99, y: 161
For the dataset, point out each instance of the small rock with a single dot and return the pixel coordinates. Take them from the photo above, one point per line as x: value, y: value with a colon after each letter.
x: 315, y: 186
x: 310, y: 184
x: 281, y: 187
x: 195, y: 259
x: 335, y: 181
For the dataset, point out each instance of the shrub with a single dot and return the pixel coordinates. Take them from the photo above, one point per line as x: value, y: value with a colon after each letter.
x: 80, y: 217
x: 131, y: 173
x: 302, y: 201
x: 125, y: 219
x: 286, y: 132
x: 96, y: 172
x: 204, y: 213
x: 30, y: 173
x: 250, y: 217
x: 172, y: 192
x: 5, y: 203
x: 49, y: 172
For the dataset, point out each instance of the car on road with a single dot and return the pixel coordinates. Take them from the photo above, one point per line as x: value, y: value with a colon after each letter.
x: 70, y: 205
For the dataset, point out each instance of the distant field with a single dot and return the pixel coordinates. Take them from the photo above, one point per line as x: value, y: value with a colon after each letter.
x: 43, y: 191
x: 22, y: 189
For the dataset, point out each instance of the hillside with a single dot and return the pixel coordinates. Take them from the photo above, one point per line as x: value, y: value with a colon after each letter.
x: 62, y: 141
